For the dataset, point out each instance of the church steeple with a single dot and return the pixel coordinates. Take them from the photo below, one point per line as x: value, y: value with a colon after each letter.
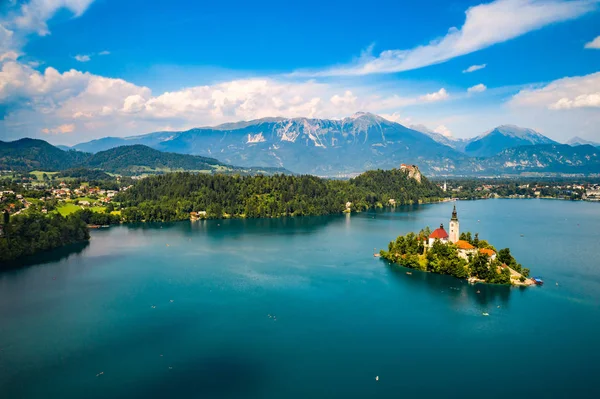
x: 454, y: 227
x: 454, y: 216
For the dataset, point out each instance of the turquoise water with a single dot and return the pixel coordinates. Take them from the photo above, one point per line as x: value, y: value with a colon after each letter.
x: 182, y: 311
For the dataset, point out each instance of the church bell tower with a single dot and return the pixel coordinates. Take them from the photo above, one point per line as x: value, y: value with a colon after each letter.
x: 454, y: 230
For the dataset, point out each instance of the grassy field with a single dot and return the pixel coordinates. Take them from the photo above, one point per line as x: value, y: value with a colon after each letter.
x: 40, y: 173
x: 68, y: 208
x: 88, y: 199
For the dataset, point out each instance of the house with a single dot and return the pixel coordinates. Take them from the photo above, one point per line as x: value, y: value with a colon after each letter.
x: 465, y: 248
x: 489, y: 252
x: 84, y: 203
x: 197, y: 215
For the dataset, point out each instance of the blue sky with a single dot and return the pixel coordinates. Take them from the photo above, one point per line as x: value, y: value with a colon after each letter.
x: 74, y: 70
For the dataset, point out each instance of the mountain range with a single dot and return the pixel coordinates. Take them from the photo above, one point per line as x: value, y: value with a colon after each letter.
x: 30, y: 154
x: 364, y: 141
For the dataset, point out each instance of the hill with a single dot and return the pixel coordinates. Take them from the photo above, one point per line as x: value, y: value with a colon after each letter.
x: 140, y: 158
x: 31, y: 154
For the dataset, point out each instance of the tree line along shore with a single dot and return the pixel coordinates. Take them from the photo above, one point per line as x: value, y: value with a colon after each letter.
x: 174, y: 196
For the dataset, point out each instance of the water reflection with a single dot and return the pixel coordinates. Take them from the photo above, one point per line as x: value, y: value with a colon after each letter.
x: 41, y: 258
x: 458, y: 290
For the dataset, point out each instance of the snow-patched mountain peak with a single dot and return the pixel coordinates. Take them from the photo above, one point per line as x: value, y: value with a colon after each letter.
x: 522, y: 133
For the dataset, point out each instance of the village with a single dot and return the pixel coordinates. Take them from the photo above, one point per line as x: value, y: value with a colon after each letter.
x: 63, y: 196
x: 496, y: 188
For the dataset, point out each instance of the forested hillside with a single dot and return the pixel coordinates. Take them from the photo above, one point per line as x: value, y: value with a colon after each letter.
x: 174, y: 196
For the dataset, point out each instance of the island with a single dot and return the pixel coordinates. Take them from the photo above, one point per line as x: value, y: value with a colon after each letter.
x: 461, y: 255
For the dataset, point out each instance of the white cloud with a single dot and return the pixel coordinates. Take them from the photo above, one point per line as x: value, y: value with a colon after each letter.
x: 477, y: 88
x: 62, y: 129
x: 581, y: 101
x: 561, y: 94
x: 105, y: 52
x: 9, y: 55
x: 32, y: 16
x: 485, y: 25
x: 594, y: 44
x: 82, y: 57
x: 439, y: 95
x: 474, y: 68
x: 37, y: 100
x: 443, y: 130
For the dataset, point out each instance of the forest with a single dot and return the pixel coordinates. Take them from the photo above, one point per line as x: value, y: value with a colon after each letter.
x: 409, y: 251
x: 173, y: 196
x: 25, y: 235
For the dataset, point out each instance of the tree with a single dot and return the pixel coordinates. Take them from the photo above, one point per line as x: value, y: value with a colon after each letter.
x: 6, y: 217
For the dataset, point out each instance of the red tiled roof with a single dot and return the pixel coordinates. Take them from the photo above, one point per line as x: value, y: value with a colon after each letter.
x: 487, y: 251
x: 439, y: 233
x: 462, y: 244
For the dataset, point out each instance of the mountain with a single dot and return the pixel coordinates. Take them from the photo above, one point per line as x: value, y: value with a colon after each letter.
x: 503, y: 137
x: 32, y: 154
x: 29, y: 154
x: 579, y: 141
x: 316, y: 146
x: 546, y: 158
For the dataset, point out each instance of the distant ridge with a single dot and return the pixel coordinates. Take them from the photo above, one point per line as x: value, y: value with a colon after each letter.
x: 579, y: 141
x: 31, y: 154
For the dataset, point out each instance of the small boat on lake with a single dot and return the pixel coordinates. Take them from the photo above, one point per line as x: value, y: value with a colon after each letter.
x: 409, y: 273
x: 537, y: 280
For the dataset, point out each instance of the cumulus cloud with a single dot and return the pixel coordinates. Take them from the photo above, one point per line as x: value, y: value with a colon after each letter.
x: 594, y: 44
x: 82, y: 57
x: 92, y: 102
x: 561, y: 94
x: 474, y: 68
x: 9, y: 55
x: 62, y: 129
x: 581, y: 101
x: 443, y: 130
x: 439, y: 95
x: 477, y: 88
x: 32, y: 16
x: 485, y: 25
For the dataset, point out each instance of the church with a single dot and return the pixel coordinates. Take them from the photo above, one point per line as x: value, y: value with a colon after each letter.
x: 441, y: 234
x: 464, y: 247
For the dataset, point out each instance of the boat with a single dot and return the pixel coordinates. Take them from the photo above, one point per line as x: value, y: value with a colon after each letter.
x: 537, y: 280
x: 409, y: 273
x: 485, y: 314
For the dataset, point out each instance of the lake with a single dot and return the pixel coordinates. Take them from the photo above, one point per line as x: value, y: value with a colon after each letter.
x: 300, y: 308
